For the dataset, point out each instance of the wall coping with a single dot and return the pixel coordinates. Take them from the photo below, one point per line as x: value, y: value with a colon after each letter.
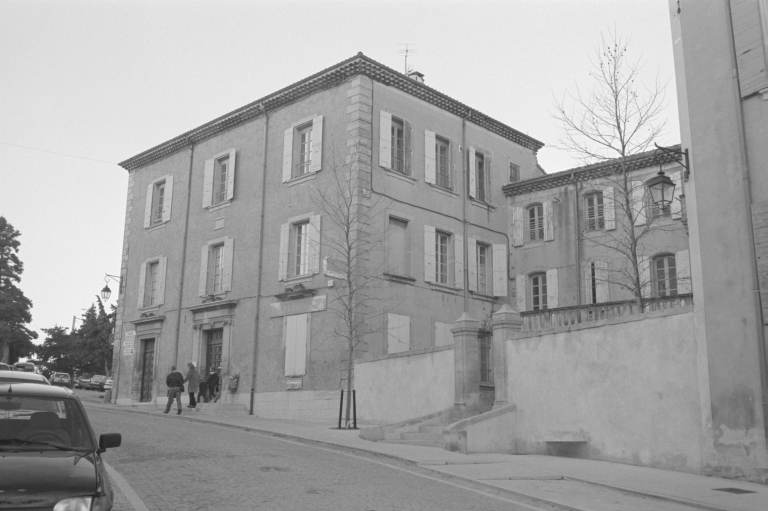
x: 402, y: 354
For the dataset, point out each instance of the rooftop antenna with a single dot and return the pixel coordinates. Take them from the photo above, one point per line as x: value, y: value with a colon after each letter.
x: 406, y: 51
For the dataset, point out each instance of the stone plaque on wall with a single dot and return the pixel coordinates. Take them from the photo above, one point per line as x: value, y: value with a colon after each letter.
x: 128, y: 342
x: 301, y: 306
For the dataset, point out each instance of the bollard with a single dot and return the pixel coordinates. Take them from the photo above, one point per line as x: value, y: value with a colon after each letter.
x: 354, y: 408
x: 341, y: 406
x: 108, y: 396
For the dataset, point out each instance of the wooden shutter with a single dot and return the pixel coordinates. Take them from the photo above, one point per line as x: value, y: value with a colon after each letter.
x: 167, y: 198
x: 472, y: 263
x: 517, y: 226
x: 430, y: 161
x: 638, y: 202
x: 609, y: 209
x: 285, y: 234
x: 148, y: 206
x: 588, y: 284
x: 499, y: 269
x: 202, y: 289
x: 644, y: 268
x: 683, y: 271
x: 317, y: 144
x: 313, y: 236
x: 231, y: 175
x: 142, y: 283
x: 676, y: 205
x: 226, y: 270
x: 385, y: 139
x: 749, y: 45
x: 601, y: 273
x: 429, y: 253
x: 521, y: 285
x: 472, y: 173
x: 407, y: 130
x: 208, y: 183
x: 162, y: 266
x: 549, y: 228
x: 458, y: 261
x: 552, y: 292
x: 488, y: 180
x: 287, y: 154
x: 296, y: 344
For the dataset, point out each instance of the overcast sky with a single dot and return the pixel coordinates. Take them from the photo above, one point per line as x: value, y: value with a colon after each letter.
x: 105, y: 80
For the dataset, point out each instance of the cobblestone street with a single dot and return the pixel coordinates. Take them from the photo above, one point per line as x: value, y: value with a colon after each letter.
x: 180, y: 465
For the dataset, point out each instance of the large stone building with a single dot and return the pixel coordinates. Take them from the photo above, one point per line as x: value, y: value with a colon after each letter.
x: 227, y: 260
x: 720, y: 50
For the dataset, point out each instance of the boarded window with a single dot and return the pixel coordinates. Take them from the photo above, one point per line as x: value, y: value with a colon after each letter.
x: 398, y: 333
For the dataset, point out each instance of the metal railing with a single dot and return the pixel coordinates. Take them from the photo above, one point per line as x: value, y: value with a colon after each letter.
x: 303, y: 168
x: 563, y: 317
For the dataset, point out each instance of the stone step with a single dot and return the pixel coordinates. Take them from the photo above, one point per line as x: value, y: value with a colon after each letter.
x: 424, y: 443
x: 431, y: 429
x: 426, y: 437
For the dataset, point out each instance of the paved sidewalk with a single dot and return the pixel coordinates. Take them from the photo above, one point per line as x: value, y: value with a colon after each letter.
x: 577, y: 484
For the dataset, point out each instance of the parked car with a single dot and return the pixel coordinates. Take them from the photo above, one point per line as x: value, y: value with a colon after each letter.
x: 82, y: 382
x: 5, y: 367
x: 22, y: 377
x: 61, y: 380
x: 50, y: 456
x: 108, y: 384
x: 26, y: 366
x: 97, y: 382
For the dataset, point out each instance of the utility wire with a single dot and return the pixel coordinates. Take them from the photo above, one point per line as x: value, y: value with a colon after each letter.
x: 60, y: 154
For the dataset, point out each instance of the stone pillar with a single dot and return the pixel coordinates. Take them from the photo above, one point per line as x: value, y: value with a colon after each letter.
x: 466, y: 353
x: 506, y: 324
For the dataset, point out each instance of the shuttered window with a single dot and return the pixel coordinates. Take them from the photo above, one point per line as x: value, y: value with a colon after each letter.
x: 595, y: 212
x: 158, y: 203
x: 152, y: 282
x: 397, y: 143
x: 216, y: 266
x: 596, y: 282
x: 299, y: 248
x: 303, y: 148
x: 535, y: 215
x: 442, y: 242
x: 538, y: 283
x: 442, y: 168
x: 158, y: 195
x: 482, y: 268
x: 219, y: 179
x: 514, y: 172
x: 480, y: 177
x: 304, y: 151
x: 664, y: 274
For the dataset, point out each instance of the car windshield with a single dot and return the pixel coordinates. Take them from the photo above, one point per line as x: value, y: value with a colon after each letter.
x: 42, y: 423
x: 11, y: 379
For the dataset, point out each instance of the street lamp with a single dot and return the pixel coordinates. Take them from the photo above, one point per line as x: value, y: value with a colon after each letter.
x: 106, y: 292
x: 662, y: 189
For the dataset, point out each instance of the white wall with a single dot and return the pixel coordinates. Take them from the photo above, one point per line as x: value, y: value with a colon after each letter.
x: 631, y: 387
x: 404, y: 387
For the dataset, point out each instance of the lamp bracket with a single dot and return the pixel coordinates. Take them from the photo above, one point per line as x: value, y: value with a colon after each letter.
x: 681, y: 157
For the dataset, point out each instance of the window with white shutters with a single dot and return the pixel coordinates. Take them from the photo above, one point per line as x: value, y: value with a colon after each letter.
x: 216, y: 267
x: 219, y: 179
x: 303, y: 148
x: 596, y: 282
x: 299, y: 248
x: 664, y: 275
x: 158, y: 203
x: 398, y: 333
x: 594, y: 211
x: 482, y: 268
x: 397, y: 143
x: 535, y: 222
x: 538, y: 291
x: 152, y: 282
x: 442, y: 244
x: 442, y: 163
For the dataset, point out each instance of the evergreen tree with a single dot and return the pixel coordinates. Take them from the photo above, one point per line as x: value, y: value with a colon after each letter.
x: 57, y: 353
x: 15, y: 337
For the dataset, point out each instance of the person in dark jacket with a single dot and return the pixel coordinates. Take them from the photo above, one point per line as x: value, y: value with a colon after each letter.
x: 175, y: 382
x: 193, y: 378
x: 213, y: 384
x: 202, y: 393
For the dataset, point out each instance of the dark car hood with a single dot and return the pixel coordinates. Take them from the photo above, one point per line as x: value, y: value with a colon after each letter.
x: 45, y: 477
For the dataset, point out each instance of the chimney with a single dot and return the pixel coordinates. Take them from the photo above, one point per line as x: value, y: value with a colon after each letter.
x: 415, y: 75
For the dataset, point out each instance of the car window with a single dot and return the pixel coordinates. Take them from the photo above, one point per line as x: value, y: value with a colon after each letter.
x: 35, y: 423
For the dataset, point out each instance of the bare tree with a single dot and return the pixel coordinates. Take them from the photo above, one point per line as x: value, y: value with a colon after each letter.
x: 354, y: 251
x: 614, y: 124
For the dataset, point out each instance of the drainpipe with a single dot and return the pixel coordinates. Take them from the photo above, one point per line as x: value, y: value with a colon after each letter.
x: 577, y: 239
x: 183, y: 253
x: 746, y: 181
x: 261, y: 258
x: 465, y: 180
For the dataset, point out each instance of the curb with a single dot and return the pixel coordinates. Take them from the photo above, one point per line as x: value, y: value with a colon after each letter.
x: 335, y: 446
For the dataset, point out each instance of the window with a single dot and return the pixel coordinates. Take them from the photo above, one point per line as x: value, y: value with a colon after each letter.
x: 594, y: 211
x: 441, y: 159
x: 397, y: 141
x: 394, y: 143
x: 398, y: 333
x: 300, y: 247
x: 486, y: 359
x: 397, y: 248
x: 158, y: 206
x: 664, y: 275
x: 441, y: 257
x: 596, y: 282
x: 482, y: 268
x: 479, y: 175
x: 538, y: 292
x: 296, y: 333
x: 514, y: 172
x: 219, y: 179
x: 152, y: 282
x: 535, y: 226
x: 216, y: 267
x: 437, y: 161
x: 303, y: 148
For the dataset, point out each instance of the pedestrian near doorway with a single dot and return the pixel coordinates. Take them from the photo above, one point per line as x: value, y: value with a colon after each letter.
x: 214, y: 383
x: 202, y: 393
x: 175, y: 383
x: 193, y: 378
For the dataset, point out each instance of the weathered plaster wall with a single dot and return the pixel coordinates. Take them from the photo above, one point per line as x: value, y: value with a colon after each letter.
x: 404, y: 386
x: 631, y: 387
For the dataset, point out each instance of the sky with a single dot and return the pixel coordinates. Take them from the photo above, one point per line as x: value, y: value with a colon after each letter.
x: 87, y: 84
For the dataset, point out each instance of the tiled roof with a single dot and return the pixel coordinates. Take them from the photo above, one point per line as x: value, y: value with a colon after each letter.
x: 330, y: 77
x: 588, y: 172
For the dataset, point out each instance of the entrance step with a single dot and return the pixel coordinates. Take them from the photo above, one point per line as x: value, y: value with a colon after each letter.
x: 227, y: 409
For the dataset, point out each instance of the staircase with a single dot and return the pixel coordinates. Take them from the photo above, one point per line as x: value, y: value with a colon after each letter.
x: 429, y: 434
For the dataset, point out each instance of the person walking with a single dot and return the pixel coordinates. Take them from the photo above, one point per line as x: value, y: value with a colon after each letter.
x: 193, y: 378
x: 175, y: 383
x: 216, y: 385
x: 202, y: 393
